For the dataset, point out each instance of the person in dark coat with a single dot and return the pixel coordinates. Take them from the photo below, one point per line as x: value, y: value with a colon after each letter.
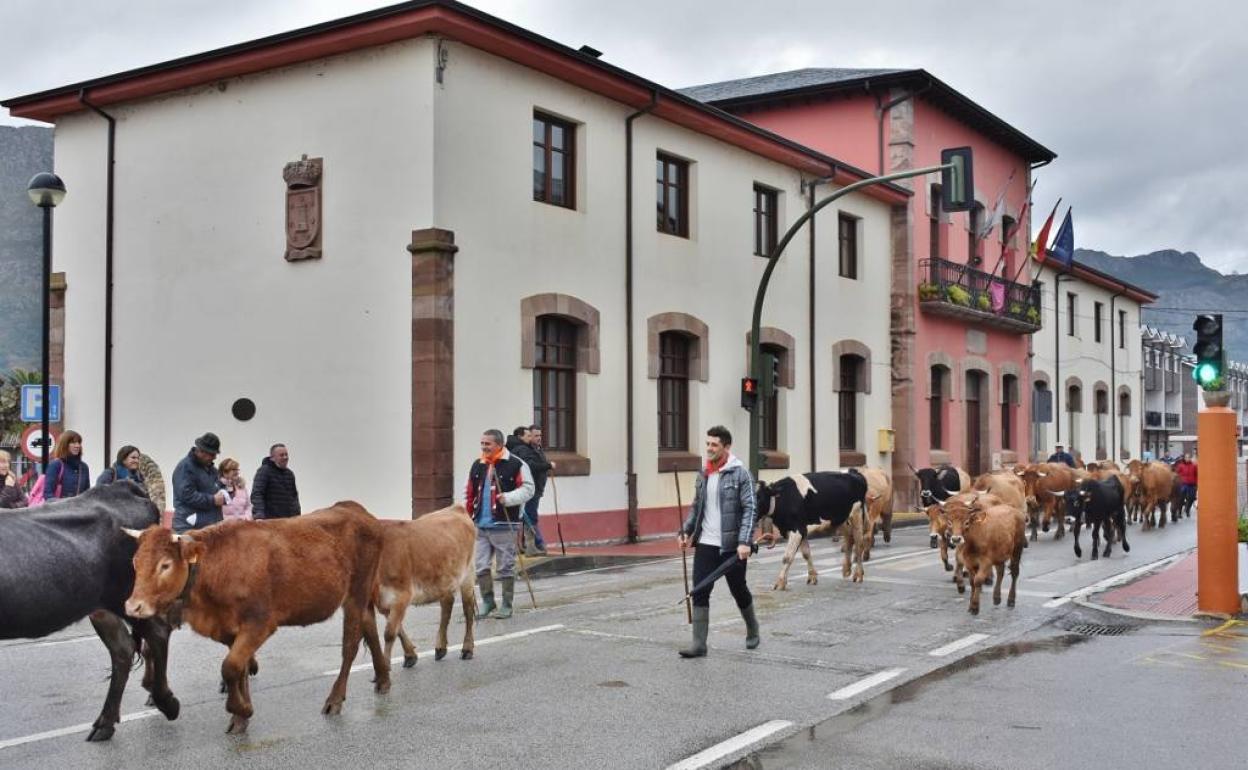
x: 1060, y: 455
x: 126, y: 467
x: 67, y: 475
x: 197, y: 492
x: 11, y: 494
x: 274, y: 494
x: 526, y: 443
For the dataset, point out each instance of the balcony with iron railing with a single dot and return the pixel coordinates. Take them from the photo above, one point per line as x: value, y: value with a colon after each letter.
x: 958, y: 291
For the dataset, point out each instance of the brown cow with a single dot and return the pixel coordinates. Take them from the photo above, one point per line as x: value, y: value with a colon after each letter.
x: 939, y: 515
x: 1043, y: 487
x: 879, y: 507
x: 429, y: 559
x: 1153, y: 489
x: 987, y: 536
x: 240, y: 580
x: 1005, y: 485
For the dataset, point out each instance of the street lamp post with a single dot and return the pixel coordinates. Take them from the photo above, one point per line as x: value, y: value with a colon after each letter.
x: 46, y: 190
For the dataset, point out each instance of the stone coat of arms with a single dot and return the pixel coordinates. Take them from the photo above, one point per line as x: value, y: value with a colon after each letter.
x: 303, y: 208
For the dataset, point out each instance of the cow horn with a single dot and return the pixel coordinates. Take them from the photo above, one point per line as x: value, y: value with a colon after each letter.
x: 1041, y: 474
x: 1059, y: 494
x: 134, y: 533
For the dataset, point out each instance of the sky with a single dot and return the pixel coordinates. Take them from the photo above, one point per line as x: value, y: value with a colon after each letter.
x: 1144, y: 101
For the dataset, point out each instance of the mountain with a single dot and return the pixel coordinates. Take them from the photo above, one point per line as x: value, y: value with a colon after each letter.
x: 1182, y: 281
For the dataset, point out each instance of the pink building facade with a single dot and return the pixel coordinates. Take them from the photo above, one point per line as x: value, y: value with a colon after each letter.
x: 963, y: 304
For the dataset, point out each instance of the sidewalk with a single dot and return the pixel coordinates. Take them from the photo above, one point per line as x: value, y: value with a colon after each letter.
x: 1168, y: 594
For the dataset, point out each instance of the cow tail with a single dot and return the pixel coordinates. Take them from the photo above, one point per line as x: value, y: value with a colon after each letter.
x: 138, y: 648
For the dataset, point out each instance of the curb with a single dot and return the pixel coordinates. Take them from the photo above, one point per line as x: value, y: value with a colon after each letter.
x: 561, y: 565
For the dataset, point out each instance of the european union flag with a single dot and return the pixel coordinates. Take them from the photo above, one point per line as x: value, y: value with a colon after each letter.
x: 1063, y: 250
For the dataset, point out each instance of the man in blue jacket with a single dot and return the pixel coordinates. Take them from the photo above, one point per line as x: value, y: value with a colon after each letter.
x: 197, y: 492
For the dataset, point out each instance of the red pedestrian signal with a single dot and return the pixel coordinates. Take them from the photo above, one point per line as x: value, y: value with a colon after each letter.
x: 749, y: 392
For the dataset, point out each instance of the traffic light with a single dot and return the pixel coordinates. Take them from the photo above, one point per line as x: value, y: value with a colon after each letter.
x: 749, y: 392
x: 1210, y: 355
x: 957, y: 184
x: 771, y: 375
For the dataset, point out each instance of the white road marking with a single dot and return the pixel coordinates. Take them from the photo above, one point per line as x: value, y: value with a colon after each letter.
x: 862, y: 685
x: 960, y: 644
x: 734, y: 744
x: 82, y: 728
x: 1112, y: 581
x: 454, y: 647
x: 65, y: 641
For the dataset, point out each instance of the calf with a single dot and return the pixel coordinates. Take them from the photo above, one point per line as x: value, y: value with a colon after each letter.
x: 239, y: 581
x: 1101, y: 505
x: 987, y: 537
x: 70, y: 560
x: 879, y: 507
x: 1044, y: 485
x: 939, y: 515
x: 429, y: 559
x: 801, y: 505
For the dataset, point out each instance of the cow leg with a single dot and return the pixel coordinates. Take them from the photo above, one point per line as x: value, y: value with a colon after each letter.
x: 116, y: 636
x: 944, y: 553
x: 856, y: 526
x: 399, y: 602
x: 1015, y: 561
x: 790, y: 549
x: 1095, y: 531
x: 1120, y: 518
x: 958, y: 578
x: 468, y: 600
x: 409, y: 649
x: 448, y: 604
x: 996, y: 587
x: 1078, y: 526
x: 381, y: 663
x: 1107, y: 529
x: 977, y: 586
x: 1161, y: 507
x: 812, y: 576
x: 1059, y: 513
x: 234, y: 672
x: 155, y: 635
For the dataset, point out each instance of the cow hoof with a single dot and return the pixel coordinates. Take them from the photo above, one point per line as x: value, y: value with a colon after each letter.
x: 409, y: 661
x: 170, y: 707
x: 780, y: 586
x: 948, y: 567
x: 961, y: 589
x: 996, y: 601
x: 237, y: 726
x: 1095, y: 556
x: 1125, y: 548
x: 223, y: 687
x: 382, y: 687
x: 151, y: 700
x: 812, y: 580
x: 465, y: 655
x: 253, y: 667
x: 439, y: 654
x: 100, y: 733
x: 888, y: 537
x: 866, y: 557
x: 331, y: 708
x: 1078, y: 553
x: 973, y: 610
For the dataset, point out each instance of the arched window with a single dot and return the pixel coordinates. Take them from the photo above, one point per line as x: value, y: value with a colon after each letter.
x: 1124, y: 421
x: 852, y: 382
x: 1102, y: 418
x: 1074, y: 408
x: 554, y: 382
x: 674, y: 392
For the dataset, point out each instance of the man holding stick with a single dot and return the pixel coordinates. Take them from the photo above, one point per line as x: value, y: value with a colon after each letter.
x: 720, y: 525
x: 499, y: 484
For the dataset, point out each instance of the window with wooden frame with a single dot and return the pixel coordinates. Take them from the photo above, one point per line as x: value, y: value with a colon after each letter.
x: 554, y: 161
x: 672, y: 193
x: 765, y: 200
x: 1071, y: 306
x: 1098, y: 313
x: 934, y: 225
x: 1122, y: 328
x: 851, y: 383
x: 673, y: 392
x: 769, y: 406
x: 936, y: 406
x: 1009, y: 398
x: 554, y: 382
x: 848, y: 241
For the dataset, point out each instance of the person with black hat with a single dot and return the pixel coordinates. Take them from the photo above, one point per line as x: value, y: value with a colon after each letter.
x: 1060, y: 455
x: 197, y: 492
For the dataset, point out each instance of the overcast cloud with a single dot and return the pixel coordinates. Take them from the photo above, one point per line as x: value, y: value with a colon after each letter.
x: 1144, y: 101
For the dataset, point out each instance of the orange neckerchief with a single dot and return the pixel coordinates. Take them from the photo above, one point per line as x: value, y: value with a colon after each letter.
x: 489, y: 458
x: 713, y: 467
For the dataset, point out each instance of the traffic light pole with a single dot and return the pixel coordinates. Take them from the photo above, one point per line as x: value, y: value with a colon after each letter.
x: 1217, y: 547
x: 756, y: 323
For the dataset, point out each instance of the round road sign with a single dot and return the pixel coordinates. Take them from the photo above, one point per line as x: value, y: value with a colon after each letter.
x: 32, y: 445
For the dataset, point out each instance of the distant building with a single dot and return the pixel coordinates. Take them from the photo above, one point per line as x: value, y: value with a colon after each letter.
x: 1166, y: 379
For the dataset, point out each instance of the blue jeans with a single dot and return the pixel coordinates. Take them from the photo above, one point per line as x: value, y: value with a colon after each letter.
x: 530, y: 513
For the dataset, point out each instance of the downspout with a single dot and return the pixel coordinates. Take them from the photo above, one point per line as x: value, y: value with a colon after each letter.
x: 630, y: 476
x: 108, y: 279
x: 881, y: 109
x: 1113, y: 380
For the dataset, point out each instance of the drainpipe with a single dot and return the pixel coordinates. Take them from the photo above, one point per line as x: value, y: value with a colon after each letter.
x: 811, y: 185
x: 630, y: 439
x: 881, y: 109
x: 1113, y: 380
x: 108, y: 279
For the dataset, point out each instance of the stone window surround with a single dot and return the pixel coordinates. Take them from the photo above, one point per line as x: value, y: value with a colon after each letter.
x: 1066, y: 393
x: 1099, y: 386
x: 1011, y: 369
x: 770, y: 335
x: 588, y: 357
x: 940, y: 358
x: 699, y: 369
x: 1124, y: 390
x: 855, y: 348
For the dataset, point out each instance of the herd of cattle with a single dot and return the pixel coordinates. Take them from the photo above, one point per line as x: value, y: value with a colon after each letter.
x: 103, y: 556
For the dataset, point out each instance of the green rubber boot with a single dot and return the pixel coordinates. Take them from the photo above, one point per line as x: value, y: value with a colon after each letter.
x: 486, y: 584
x: 701, y: 626
x: 509, y: 591
x: 751, y: 627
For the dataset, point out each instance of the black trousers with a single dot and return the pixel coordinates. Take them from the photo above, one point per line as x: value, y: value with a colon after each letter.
x: 705, y: 559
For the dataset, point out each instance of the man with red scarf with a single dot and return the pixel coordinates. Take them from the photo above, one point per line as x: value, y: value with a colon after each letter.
x: 1186, y: 470
x: 499, y: 484
x: 720, y: 526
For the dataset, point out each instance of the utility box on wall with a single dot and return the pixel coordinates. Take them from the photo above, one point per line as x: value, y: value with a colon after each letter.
x: 886, y: 439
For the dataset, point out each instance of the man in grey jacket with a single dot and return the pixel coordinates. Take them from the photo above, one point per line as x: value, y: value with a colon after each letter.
x: 197, y: 493
x: 720, y: 526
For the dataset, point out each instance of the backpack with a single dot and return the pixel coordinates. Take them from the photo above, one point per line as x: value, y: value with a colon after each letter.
x: 38, y: 490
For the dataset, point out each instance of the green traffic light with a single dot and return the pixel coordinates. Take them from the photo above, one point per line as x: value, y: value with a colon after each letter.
x: 1206, y: 374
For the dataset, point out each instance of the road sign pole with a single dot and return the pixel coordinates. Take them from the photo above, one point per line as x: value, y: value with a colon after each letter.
x: 47, y: 331
x: 1217, y: 548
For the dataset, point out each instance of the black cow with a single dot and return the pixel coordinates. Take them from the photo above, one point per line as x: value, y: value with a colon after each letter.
x: 939, y: 483
x: 69, y: 560
x: 1100, y: 504
x: 813, y: 502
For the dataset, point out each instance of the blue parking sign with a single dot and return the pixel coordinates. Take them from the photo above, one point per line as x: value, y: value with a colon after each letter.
x: 32, y: 403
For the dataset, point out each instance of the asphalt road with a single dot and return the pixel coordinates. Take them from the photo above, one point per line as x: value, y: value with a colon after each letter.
x: 591, y: 679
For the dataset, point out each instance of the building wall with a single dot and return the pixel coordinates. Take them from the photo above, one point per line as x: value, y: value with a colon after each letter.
x: 1087, y: 362
x: 206, y: 308
x: 846, y: 126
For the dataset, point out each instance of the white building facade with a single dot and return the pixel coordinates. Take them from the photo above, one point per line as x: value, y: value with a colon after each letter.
x: 1086, y: 365
x: 472, y: 266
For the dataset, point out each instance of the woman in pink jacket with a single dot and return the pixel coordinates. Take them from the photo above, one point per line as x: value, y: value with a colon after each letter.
x: 238, y: 499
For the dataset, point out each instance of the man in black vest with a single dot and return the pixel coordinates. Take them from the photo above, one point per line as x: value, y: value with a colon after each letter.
x: 499, y: 484
x: 273, y: 491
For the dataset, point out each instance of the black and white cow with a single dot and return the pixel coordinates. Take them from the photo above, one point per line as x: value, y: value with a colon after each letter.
x: 941, y: 483
x: 70, y: 560
x: 801, y: 505
x: 1101, y: 505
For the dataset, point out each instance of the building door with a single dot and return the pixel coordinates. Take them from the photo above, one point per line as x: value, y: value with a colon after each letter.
x: 974, y: 423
